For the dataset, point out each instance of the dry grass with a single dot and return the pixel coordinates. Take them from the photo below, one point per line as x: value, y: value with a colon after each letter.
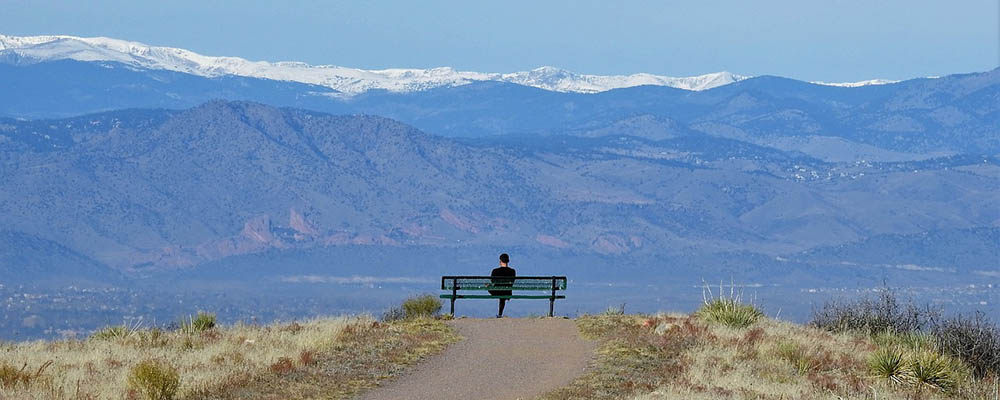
x: 674, y: 356
x: 217, y: 362
x: 632, y: 358
x: 363, y: 355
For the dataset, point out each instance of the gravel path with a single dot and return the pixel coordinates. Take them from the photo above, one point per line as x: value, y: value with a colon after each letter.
x: 508, y: 358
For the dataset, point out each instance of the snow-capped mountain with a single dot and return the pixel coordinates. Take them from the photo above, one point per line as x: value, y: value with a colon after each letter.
x: 868, y: 82
x: 347, y: 80
x: 560, y: 80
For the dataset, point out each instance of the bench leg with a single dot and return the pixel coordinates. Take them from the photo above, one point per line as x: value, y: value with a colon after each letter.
x: 552, y: 305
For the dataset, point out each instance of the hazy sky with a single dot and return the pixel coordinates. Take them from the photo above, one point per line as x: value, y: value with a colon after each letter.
x: 813, y: 40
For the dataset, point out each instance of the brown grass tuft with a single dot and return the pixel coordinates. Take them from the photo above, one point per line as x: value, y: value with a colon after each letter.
x: 307, y: 357
x: 282, y: 366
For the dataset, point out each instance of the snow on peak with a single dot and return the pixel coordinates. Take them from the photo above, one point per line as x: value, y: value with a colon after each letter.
x: 856, y: 84
x: 551, y: 78
x: 347, y: 80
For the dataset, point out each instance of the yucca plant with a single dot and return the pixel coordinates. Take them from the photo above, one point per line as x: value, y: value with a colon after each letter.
x: 909, y: 341
x: 198, y: 323
x: 934, y: 370
x: 730, y: 311
x: 889, y: 364
x: 118, y: 332
x: 615, y: 310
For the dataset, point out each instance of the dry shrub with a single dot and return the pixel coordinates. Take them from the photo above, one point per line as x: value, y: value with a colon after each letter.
x: 823, y: 381
x: 975, y: 340
x: 282, y: 366
x: 292, y: 328
x: 218, y: 359
x: 426, y: 305
x: 394, y: 313
x: 10, y: 376
x: 883, y: 313
x: 307, y: 357
x: 154, y: 380
x: 752, y: 337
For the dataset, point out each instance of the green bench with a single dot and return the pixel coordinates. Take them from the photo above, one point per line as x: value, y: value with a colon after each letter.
x: 550, y: 284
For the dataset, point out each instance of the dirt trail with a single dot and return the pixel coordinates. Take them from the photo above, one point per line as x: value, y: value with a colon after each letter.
x: 508, y: 358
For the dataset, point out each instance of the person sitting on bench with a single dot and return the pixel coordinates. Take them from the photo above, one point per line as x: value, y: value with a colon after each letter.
x: 502, y: 270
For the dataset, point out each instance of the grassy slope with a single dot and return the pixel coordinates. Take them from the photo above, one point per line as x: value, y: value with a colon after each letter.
x: 329, y: 358
x: 685, y: 357
x: 665, y: 356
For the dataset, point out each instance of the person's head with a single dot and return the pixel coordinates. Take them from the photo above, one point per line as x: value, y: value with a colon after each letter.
x: 504, y: 259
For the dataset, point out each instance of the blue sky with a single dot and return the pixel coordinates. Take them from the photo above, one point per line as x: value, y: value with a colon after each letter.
x: 813, y: 40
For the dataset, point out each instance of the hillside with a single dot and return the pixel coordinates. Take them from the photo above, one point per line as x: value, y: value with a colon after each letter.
x: 725, y: 350
x: 161, y: 189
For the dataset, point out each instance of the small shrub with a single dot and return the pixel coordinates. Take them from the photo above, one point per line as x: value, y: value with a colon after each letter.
x: 198, y: 323
x: 421, y: 306
x: 872, y: 316
x: 752, y: 337
x: 888, y: 363
x: 974, y: 340
x: 282, y: 366
x: 730, y: 312
x: 11, y: 376
x: 154, y: 380
x: 796, y: 355
x: 747, y: 345
x: 394, y: 313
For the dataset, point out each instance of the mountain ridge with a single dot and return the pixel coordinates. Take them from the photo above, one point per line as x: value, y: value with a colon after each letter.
x: 348, y: 81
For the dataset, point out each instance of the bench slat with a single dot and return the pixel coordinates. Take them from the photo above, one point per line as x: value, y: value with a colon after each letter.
x: 487, y: 296
x: 551, y: 284
x: 487, y: 283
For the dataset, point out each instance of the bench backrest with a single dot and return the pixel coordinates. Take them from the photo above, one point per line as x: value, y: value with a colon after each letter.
x: 503, y: 282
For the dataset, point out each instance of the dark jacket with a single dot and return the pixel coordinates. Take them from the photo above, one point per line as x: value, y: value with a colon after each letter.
x: 502, y: 271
